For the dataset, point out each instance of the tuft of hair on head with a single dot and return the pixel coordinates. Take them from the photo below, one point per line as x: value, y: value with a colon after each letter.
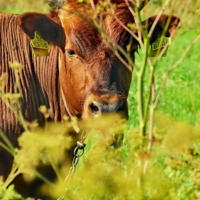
x: 55, y: 5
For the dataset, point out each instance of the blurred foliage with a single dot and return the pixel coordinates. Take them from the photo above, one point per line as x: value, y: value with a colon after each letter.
x: 171, y: 171
x: 9, y: 193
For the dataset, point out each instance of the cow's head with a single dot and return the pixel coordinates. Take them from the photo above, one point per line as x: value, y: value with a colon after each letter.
x: 93, y: 79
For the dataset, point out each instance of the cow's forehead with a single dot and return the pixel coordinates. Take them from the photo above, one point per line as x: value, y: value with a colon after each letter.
x: 86, y: 11
x: 80, y: 35
x: 81, y: 28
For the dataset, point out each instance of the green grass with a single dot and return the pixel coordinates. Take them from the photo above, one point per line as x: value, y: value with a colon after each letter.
x: 182, y: 92
x: 21, y: 6
x: 181, y: 96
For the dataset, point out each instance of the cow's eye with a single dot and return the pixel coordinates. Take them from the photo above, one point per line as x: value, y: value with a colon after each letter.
x: 70, y: 52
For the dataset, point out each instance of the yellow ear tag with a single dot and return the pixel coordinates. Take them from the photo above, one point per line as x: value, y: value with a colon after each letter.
x: 40, y: 46
x: 158, y: 46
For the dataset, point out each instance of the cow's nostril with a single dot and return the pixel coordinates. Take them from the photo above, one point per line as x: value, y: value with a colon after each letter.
x: 94, y: 108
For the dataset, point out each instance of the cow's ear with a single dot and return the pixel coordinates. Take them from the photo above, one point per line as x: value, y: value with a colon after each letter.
x: 165, y: 25
x: 48, y: 29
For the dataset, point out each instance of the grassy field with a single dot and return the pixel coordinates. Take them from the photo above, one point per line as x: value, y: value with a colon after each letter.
x: 180, y: 98
x: 20, y: 6
x: 171, y: 171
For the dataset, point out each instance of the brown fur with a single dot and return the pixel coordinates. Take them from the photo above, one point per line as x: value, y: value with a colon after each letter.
x: 104, y: 73
x: 38, y: 83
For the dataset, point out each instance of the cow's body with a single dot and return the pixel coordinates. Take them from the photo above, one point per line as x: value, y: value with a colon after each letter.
x: 38, y: 83
x: 87, y: 80
x: 38, y: 80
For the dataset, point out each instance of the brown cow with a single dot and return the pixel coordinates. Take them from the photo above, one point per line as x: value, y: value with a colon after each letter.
x: 80, y: 77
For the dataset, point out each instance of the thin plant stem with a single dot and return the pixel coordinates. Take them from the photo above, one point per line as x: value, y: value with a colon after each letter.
x: 8, y: 145
x: 140, y: 76
x: 45, y: 180
x: 151, y: 117
x: 157, y: 18
x: 13, y: 174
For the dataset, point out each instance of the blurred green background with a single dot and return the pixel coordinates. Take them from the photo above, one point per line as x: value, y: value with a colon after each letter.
x: 20, y: 6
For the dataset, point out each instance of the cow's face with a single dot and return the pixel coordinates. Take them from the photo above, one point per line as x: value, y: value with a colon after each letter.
x: 93, y: 79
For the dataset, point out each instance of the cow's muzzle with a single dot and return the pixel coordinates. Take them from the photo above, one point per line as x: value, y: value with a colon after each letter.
x: 95, y: 106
